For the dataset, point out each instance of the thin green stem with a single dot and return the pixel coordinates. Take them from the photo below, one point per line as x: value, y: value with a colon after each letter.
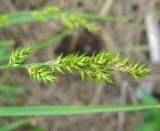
x: 9, y: 66
x: 70, y: 110
x: 27, y: 16
x: 51, y: 41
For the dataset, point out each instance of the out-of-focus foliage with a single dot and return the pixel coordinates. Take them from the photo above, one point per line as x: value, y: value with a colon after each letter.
x: 14, y: 125
x: 71, y: 20
x: 51, y: 40
x: 151, y: 117
x: 11, y: 92
x: 5, y: 49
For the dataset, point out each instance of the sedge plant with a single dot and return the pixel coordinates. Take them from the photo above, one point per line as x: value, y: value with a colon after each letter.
x: 55, y: 13
x: 98, y: 67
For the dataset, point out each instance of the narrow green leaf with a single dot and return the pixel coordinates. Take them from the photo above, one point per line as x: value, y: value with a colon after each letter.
x: 15, y: 125
x: 69, y: 110
x: 51, y: 40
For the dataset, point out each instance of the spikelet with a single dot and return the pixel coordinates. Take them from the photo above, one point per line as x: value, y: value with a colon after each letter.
x: 19, y: 56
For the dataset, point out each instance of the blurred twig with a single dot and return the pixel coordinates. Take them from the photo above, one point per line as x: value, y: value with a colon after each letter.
x: 153, y: 37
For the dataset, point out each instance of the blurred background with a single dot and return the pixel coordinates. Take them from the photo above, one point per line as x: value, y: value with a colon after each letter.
x: 129, y: 27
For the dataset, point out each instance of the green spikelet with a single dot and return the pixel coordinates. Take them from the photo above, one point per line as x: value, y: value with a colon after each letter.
x: 42, y: 74
x: 19, y: 56
x: 99, y: 66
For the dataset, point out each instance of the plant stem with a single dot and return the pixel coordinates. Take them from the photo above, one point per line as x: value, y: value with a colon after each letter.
x: 7, y: 67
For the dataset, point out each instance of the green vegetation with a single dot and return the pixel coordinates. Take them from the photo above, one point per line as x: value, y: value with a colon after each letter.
x: 10, y: 92
x: 69, y: 19
x: 69, y: 110
x: 15, y: 125
x: 151, y: 117
x: 4, y: 49
x: 98, y: 67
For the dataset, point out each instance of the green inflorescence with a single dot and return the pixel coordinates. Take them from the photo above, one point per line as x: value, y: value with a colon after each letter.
x: 97, y: 67
x: 19, y: 56
x: 42, y: 74
x: 75, y: 20
x: 70, y: 20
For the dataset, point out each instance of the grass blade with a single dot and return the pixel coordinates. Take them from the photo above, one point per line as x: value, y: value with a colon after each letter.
x: 51, y: 40
x: 69, y: 110
x: 10, y: 92
x: 15, y: 125
x: 5, y: 49
x: 113, y: 19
